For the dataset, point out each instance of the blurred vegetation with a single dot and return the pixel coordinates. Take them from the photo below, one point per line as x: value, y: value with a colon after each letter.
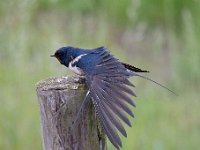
x: 159, y: 35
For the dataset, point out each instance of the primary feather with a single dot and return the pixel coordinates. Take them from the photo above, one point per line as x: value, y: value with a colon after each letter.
x: 108, y: 84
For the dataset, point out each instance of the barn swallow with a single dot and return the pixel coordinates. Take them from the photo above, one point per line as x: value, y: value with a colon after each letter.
x: 108, y: 85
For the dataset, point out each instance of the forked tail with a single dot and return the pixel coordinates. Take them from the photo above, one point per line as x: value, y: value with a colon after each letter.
x: 144, y: 77
x: 133, y: 68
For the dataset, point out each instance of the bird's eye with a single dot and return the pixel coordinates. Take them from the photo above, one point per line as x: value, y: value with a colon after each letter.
x: 59, y: 55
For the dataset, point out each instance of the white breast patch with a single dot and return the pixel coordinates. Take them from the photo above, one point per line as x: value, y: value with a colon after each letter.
x: 76, y: 69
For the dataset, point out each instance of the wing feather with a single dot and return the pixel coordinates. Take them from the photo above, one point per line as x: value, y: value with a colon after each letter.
x: 106, y: 123
x: 117, y: 88
x: 118, y: 97
x: 109, y: 89
x: 120, y: 80
x: 110, y: 114
x: 116, y: 109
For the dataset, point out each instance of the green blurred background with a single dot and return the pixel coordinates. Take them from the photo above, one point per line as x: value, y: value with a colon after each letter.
x: 162, y: 36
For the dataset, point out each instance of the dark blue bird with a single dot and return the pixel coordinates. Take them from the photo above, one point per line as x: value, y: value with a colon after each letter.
x: 108, y: 84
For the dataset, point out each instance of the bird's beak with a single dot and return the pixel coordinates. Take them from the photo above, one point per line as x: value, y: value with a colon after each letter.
x: 52, y: 55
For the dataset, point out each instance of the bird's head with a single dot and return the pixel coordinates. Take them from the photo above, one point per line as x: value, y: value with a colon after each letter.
x: 64, y: 55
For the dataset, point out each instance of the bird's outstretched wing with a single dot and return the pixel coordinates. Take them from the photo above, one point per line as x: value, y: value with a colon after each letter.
x: 109, y: 89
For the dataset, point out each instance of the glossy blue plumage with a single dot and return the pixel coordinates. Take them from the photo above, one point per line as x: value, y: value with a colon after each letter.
x: 107, y: 81
x: 108, y: 84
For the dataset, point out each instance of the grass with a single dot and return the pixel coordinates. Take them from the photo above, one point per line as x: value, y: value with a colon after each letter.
x: 32, y: 30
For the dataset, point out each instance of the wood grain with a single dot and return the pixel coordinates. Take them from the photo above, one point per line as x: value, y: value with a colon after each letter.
x: 59, y: 101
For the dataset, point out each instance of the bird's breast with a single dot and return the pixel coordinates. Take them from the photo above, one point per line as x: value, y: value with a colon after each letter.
x: 76, y: 69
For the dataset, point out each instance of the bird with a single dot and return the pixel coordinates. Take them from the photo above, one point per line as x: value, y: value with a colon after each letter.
x: 108, y: 84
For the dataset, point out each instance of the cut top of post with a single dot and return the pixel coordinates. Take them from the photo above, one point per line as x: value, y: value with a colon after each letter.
x: 61, y: 83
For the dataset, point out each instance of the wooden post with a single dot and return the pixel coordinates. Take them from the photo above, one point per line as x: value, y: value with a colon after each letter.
x: 59, y: 101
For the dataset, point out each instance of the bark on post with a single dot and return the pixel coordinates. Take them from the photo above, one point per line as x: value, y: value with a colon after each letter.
x: 59, y: 101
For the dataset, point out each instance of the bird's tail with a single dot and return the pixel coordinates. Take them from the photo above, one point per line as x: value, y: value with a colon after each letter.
x: 133, y: 68
x: 149, y: 79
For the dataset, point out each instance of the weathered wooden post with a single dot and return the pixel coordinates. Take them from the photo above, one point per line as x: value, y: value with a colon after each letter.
x: 59, y: 101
